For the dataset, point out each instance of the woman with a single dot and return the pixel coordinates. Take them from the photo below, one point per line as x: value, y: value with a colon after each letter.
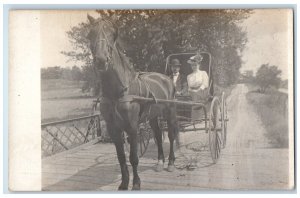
x: 197, y: 80
x: 197, y: 84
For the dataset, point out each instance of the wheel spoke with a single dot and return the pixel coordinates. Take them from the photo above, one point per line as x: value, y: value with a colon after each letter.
x: 219, y: 139
x: 218, y: 148
x: 215, y: 122
x: 216, y: 151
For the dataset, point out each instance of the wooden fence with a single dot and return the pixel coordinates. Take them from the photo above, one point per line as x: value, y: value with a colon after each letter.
x: 67, y: 134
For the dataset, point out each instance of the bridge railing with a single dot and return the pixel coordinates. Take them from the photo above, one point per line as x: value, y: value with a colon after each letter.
x: 67, y: 134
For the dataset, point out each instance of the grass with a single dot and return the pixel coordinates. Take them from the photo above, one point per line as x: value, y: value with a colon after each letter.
x: 273, y: 110
x: 62, y: 99
x: 54, y: 84
x: 60, y: 109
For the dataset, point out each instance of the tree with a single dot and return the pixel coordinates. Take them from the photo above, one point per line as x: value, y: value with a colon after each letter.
x: 268, y: 76
x: 247, y: 76
x: 151, y: 35
x: 58, y: 72
x: 148, y: 36
x: 81, y: 53
x: 66, y: 73
x: 76, y: 73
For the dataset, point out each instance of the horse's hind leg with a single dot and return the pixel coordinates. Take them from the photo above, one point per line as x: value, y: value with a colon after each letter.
x: 172, y: 133
x: 158, y: 136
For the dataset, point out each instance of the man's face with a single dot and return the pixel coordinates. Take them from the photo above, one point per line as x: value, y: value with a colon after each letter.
x: 175, y: 69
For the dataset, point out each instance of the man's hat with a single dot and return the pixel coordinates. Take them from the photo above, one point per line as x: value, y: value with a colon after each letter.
x: 175, y: 62
x: 195, y: 59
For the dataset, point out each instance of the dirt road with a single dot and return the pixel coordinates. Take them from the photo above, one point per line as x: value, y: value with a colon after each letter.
x: 254, y: 164
x: 247, y: 162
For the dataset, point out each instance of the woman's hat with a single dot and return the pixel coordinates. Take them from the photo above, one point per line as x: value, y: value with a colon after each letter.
x: 195, y: 59
x: 175, y: 62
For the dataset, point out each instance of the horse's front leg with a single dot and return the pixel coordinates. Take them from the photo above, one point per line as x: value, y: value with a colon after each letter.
x: 172, y: 133
x: 116, y: 135
x: 119, y: 144
x: 130, y: 114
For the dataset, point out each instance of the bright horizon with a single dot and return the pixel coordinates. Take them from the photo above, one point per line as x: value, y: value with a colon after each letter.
x: 268, y: 40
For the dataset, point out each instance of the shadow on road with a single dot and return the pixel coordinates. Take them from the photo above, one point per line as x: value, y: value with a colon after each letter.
x: 91, y: 179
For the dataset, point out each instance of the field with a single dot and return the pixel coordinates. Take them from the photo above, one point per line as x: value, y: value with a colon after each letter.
x: 62, y: 99
x: 272, y: 107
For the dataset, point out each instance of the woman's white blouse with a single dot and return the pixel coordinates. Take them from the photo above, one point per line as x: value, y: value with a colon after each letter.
x: 198, y: 79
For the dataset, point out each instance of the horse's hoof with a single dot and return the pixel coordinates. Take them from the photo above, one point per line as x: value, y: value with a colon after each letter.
x: 136, y: 187
x: 122, y: 187
x: 171, y: 167
x: 159, y: 167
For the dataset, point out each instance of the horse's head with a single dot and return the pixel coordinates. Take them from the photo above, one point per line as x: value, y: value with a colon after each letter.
x: 102, y: 37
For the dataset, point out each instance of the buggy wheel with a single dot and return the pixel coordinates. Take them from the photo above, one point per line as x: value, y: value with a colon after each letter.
x: 215, y: 130
x: 126, y: 142
x: 224, y: 118
x: 143, y: 138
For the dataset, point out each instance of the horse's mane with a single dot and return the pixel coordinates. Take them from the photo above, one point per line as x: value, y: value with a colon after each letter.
x: 125, y: 62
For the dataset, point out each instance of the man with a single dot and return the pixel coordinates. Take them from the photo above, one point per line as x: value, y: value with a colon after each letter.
x: 179, y: 80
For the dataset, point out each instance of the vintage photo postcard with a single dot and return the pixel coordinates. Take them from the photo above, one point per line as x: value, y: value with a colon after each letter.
x: 151, y: 100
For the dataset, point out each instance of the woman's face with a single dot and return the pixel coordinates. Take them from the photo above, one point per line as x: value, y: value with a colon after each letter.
x: 195, y: 66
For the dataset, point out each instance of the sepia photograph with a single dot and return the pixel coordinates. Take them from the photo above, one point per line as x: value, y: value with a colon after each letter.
x: 157, y: 99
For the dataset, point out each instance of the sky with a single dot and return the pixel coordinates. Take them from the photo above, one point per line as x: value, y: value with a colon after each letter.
x: 267, y: 30
x: 54, y: 25
x: 269, y: 40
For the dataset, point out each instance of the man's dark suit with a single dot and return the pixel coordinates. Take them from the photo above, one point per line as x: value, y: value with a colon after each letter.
x: 181, y: 85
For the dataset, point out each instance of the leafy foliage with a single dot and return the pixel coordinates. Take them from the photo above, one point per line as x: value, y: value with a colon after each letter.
x: 148, y: 36
x: 81, y: 53
x: 268, y: 76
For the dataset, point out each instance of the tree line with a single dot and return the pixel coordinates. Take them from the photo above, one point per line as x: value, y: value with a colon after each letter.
x: 57, y: 72
x: 267, y: 77
x: 149, y: 36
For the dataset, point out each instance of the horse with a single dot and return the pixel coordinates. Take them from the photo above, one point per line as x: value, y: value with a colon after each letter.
x: 119, y: 82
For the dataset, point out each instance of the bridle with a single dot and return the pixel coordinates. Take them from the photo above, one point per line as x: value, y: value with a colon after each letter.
x: 109, y: 47
x: 109, y: 59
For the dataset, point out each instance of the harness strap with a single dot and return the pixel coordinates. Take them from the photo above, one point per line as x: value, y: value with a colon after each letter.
x: 152, y: 94
x: 149, y: 92
x: 140, y: 86
x: 117, y: 112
